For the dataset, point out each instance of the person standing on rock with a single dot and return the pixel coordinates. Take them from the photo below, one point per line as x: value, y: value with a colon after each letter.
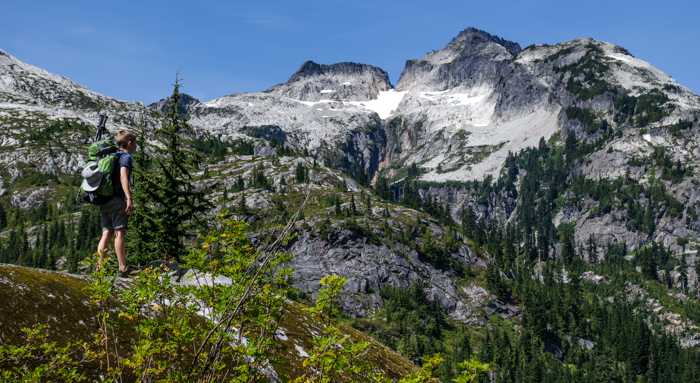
x: 115, y: 211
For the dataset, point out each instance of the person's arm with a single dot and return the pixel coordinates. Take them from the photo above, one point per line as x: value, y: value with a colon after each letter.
x: 124, y: 178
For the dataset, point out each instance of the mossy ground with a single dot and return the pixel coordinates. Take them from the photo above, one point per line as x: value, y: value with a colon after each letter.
x: 60, y: 301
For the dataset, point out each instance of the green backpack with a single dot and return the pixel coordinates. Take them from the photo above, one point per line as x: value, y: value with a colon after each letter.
x: 98, y: 176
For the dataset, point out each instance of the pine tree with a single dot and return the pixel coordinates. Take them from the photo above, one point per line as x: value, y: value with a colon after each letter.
x: 169, y: 207
x: 592, y: 250
x: 649, y: 264
x: 337, y: 207
x: 3, y: 218
x: 430, y: 248
x: 300, y: 173
x: 61, y: 237
x: 568, y: 251
x: 242, y: 208
x: 353, y: 207
x: 683, y: 271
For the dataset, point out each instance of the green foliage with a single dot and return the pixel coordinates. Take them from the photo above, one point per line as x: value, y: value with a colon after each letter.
x: 268, y: 132
x: 592, y: 67
x: 41, y: 179
x: 301, y: 173
x: 216, y: 149
x: 625, y: 106
x: 49, y: 133
x: 427, y: 371
x: 587, y: 118
x: 677, y: 127
x: 670, y: 171
x: 430, y: 248
x: 559, y: 53
x: 175, y: 344
x: 325, y: 228
x: 415, y: 322
x: 258, y: 179
x: 472, y: 368
x: 644, y: 109
x: 650, y: 107
x: 41, y: 361
x: 382, y: 189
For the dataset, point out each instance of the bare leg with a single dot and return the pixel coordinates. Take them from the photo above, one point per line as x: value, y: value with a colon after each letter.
x: 104, y: 244
x: 120, y: 247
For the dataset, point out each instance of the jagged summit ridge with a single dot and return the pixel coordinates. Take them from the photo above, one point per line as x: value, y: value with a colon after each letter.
x: 466, y: 58
x: 344, y: 81
x: 473, y: 39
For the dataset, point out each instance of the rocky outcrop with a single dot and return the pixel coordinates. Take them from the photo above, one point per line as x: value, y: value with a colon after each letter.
x: 371, y: 266
x: 471, y: 56
x: 183, y: 105
x: 339, y: 82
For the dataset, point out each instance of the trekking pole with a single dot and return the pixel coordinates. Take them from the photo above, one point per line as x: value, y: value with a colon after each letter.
x: 101, y: 128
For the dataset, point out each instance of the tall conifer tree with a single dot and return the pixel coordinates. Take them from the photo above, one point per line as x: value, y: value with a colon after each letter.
x: 169, y: 207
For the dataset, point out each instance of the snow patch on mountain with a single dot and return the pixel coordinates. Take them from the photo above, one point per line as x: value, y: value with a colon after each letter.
x: 384, y: 105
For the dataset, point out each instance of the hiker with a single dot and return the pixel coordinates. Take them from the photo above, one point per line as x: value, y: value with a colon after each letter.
x: 114, y: 211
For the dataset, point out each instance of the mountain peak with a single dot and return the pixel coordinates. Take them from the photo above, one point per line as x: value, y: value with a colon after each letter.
x: 467, y: 57
x: 342, y: 81
x: 312, y: 69
x: 472, y: 39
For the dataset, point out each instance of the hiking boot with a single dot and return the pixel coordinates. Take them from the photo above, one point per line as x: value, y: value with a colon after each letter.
x: 128, y: 272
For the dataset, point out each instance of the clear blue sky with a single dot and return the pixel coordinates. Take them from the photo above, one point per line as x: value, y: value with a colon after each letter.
x: 131, y: 50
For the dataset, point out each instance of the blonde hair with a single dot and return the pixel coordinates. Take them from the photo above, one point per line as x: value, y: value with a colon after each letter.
x: 124, y: 137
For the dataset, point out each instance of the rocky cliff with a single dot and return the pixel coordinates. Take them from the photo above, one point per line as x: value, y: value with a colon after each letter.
x: 337, y: 82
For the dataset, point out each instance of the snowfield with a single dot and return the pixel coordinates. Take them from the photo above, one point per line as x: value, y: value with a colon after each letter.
x: 384, y: 105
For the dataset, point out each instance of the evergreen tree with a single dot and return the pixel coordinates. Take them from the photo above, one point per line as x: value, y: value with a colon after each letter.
x: 337, y: 207
x: 649, y: 264
x: 353, y: 207
x: 169, y: 205
x: 568, y: 251
x: 430, y: 248
x: 683, y: 272
x: 592, y: 249
x: 3, y: 218
x: 61, y: 237
x: 299, y: 172
x: 242, y: 208
x: 382, y: 189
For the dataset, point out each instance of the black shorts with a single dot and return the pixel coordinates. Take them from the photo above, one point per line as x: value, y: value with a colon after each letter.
x: 114, y: 214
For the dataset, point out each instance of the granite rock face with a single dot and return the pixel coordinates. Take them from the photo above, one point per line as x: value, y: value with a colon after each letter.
x: 468, y: 57
x: 183, y: 104
x: 370, y: 267
x: 338, y: 82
